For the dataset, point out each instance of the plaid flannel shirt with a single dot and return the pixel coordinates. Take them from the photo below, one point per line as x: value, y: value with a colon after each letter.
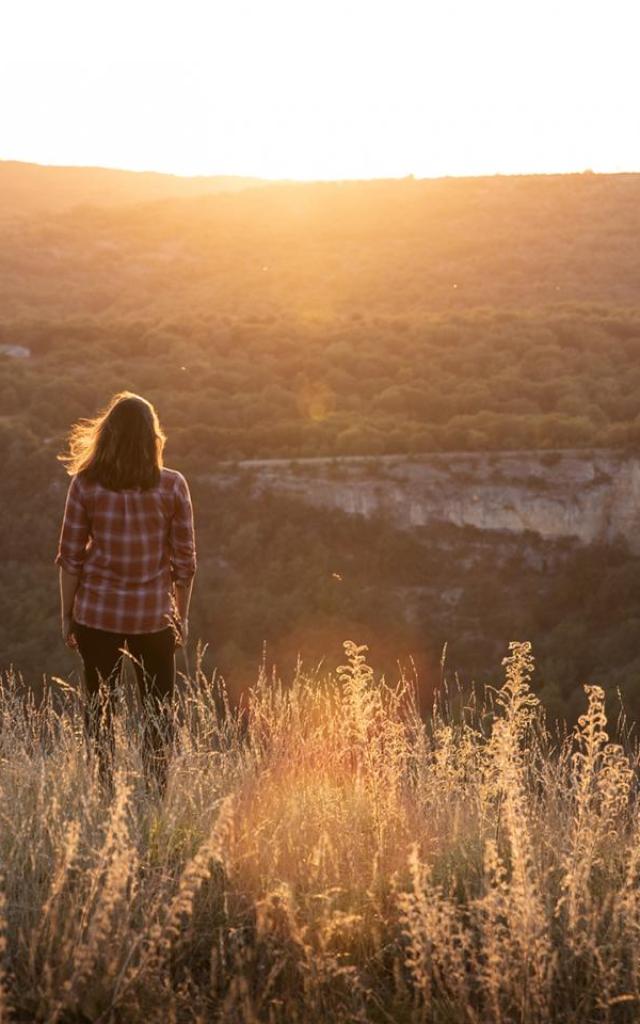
x: 128, y: 549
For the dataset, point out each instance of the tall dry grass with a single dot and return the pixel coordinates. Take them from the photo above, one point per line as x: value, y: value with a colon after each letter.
x: 324, y: 854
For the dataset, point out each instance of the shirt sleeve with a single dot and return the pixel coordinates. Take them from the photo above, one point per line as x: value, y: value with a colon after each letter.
x: 75, y: 532
x: 182, y: 535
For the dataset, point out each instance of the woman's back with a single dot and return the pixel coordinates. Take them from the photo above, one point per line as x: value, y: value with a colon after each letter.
x: 128, y: 547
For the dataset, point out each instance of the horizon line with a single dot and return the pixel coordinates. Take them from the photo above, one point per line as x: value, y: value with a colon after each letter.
x: 311, y: 180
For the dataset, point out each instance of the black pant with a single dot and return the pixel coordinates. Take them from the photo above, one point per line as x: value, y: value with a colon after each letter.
x: 153, y: 656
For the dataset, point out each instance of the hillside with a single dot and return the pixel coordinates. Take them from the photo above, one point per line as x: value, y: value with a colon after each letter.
x: 324, y: 249
x: 323, y: 854
x: 33, y: 189
x: 334, y: 319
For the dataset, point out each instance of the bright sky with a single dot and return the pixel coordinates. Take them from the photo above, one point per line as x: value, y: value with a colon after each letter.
x: 322, y: 88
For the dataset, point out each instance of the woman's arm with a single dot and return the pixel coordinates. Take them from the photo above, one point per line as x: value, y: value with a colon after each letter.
x: 68, y: 586
x: 182, y: 592
x: 74, y: 536
x: 183, y: 554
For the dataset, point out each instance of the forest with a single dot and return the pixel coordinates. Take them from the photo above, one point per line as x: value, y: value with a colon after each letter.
x: 338, y: 318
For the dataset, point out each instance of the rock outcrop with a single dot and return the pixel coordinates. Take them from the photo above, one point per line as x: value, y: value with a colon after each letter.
x: 588, y: 495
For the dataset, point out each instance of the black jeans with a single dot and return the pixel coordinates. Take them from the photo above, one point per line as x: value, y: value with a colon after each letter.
x: 153, y: 656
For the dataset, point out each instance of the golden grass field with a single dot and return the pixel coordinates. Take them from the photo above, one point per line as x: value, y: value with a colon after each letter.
x: 322, y: 854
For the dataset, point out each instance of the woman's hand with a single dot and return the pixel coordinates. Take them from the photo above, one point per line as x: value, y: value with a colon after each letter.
x: 67, y: 633
x: 182, y: 632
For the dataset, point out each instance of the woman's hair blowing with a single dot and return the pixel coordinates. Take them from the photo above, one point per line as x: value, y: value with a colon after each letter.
x: 121, y: 447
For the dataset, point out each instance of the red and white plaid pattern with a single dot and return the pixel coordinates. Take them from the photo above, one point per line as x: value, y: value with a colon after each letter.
x: 128, y: 548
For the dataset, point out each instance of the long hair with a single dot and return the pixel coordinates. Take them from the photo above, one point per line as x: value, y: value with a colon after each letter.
x: 121, y: 447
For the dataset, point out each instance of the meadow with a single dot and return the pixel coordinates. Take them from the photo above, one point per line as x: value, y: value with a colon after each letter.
x: 325, y: 851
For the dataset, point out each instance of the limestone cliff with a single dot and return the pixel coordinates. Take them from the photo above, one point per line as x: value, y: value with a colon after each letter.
x: 588, y: 495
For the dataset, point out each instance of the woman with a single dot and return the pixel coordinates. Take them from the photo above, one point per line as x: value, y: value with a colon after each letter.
x: 127, y: 561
